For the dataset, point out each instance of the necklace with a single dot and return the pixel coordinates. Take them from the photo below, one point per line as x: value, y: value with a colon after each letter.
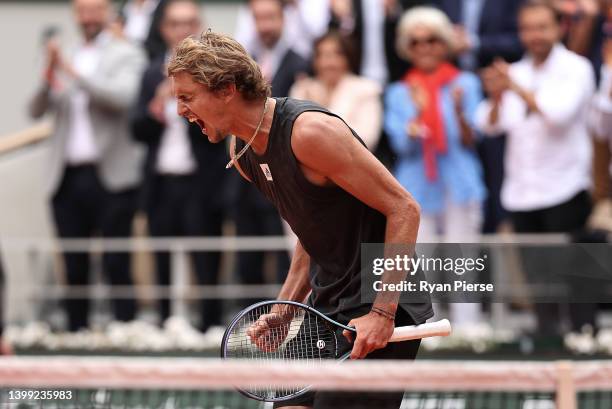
x: 243, y: 150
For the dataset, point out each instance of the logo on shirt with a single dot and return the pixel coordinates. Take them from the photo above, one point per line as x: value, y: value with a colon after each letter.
x: 266, y: 170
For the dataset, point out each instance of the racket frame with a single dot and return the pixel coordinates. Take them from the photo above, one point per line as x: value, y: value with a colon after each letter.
x: 239, y: 316
x: 442, y: 328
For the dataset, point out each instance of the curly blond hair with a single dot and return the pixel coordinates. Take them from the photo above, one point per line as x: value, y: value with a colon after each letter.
x: 217, y: 60
x: 423, y: 16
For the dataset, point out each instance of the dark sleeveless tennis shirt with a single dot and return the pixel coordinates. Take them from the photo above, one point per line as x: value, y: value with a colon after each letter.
x: 330, y: 223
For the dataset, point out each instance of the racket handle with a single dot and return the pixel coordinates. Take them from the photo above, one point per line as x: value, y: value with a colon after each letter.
x: 440, y: 328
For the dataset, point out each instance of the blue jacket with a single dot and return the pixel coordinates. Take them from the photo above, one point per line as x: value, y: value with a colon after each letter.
x: 459, y: 170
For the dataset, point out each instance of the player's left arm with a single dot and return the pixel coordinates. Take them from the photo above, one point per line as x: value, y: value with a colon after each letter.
x: 328, y: 151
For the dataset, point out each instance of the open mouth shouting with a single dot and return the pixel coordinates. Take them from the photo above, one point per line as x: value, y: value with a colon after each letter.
x: 194, y: 119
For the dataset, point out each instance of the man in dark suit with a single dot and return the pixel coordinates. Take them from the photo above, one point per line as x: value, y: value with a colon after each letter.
x: 371, y: 25
x: 280, y: 64
x: 184, y: 172
x: 486, y: 30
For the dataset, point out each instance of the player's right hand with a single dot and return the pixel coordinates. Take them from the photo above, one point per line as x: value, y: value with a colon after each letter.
x: 270, y: 330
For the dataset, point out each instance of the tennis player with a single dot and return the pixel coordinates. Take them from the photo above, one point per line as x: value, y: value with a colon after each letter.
x: 324, y: 182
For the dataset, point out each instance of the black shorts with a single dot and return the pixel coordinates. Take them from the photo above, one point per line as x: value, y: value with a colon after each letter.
x: 362, y: 400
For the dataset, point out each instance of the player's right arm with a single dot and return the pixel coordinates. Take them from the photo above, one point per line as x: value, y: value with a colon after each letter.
x: 270, y: 330
x: 297, y: 284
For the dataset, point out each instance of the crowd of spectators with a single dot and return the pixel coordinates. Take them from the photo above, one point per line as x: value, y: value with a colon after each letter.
x: 487, y: 111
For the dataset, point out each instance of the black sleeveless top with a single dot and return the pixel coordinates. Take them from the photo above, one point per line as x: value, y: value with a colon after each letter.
x: 330, y: 223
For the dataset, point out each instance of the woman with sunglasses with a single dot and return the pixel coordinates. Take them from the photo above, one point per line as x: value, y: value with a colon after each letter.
x: 429, y: 119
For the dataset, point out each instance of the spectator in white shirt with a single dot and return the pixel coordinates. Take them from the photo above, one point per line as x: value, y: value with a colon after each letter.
x: 541, y: 102
x: 94, y: 166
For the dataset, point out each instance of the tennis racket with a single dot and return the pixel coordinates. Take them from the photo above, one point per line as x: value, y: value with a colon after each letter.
x: 291, y: 331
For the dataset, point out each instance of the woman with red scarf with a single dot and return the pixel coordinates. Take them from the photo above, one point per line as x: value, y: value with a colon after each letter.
x: 429, y: 119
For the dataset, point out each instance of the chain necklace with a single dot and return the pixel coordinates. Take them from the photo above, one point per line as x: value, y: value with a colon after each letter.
x: 243, y: 150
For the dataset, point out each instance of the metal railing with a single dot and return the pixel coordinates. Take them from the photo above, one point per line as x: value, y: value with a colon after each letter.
x: 181, y: 292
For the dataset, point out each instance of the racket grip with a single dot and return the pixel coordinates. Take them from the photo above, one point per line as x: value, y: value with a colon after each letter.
x: 440, y: 328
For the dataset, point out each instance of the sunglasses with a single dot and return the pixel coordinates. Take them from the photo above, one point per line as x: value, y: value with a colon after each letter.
x: 433, y: 40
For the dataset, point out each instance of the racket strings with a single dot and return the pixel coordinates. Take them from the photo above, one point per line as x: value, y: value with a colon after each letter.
x: 281, y: 332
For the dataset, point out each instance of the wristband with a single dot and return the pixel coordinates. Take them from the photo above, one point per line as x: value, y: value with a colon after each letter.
x: 383, y: 313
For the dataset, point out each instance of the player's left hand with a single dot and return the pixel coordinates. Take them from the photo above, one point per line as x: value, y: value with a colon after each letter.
x: 373, y: 332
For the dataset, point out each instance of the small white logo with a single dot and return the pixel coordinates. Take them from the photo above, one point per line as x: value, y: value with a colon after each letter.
x: 320, y: 344
x: 266, y: 170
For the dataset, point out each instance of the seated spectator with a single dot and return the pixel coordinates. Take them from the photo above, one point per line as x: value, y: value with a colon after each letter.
x: 542, y: 102
x: 429, y: 116
x: 334, y: 86
x: 184, y: 173
x: 304, y: 22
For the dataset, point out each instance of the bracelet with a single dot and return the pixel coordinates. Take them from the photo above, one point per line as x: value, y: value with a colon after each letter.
x: 383, y: 313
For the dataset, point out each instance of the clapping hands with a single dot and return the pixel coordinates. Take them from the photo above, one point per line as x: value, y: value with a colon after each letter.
x: 496, y: 79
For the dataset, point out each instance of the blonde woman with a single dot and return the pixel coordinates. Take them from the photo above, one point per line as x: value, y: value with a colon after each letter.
x: 429, y: 119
